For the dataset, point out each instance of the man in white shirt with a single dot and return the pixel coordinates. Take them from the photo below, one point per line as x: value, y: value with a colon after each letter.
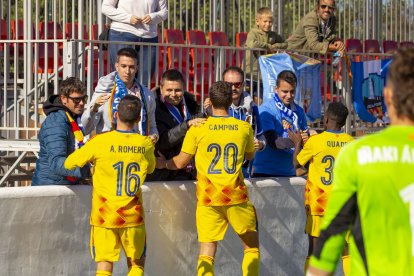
x: 135, y: 21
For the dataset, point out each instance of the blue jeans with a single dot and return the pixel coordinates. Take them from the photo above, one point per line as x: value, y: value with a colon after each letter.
x: 145, y: 58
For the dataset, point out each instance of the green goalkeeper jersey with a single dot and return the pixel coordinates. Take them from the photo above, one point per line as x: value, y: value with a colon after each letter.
x: 373, y: 195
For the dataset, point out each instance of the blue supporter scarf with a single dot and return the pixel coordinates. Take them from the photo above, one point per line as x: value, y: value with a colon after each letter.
x: 118, y: 92
x: 175, y: 112
x: 288, y: 112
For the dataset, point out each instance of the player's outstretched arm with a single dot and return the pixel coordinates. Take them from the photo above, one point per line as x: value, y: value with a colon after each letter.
x: 176, y: 163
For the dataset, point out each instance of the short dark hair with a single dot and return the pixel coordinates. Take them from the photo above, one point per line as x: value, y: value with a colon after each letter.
x: 72, y: 85
x: 221, y: 95
x: 401, y: 78
x: 127, y: 52
x: 233, y: 69
x: 129, y: 109
x: 172, y: 75
x: 337, y: 112
x: 287, y: 76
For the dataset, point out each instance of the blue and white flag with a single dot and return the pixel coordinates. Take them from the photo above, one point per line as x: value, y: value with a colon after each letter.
x: 368, y: 81
x: 307, y: 70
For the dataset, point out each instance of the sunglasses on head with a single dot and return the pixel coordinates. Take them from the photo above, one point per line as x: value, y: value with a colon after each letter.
x: 236, y: 84
x: 77, y: 100
x: 327, y: 6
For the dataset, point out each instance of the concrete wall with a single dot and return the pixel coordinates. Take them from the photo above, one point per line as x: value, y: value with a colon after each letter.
x: 45, y: 230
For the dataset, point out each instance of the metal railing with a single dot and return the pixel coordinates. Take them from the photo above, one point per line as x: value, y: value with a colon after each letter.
x: 361, y: 19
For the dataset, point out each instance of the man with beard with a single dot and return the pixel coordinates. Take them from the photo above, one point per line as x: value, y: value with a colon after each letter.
x: 316, y: 31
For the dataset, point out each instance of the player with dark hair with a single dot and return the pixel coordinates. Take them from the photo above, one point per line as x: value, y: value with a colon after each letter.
x: 122, y: 158
x: 220, y: 146
x: 373, y: 190
x: 319, y: 153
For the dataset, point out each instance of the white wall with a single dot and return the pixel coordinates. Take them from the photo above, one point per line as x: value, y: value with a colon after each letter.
x: 45, y: 230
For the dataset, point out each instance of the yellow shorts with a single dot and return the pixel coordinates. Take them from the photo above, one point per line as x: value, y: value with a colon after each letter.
x: 212, y: 221
x: 313, y: 226
x: 106, y: 243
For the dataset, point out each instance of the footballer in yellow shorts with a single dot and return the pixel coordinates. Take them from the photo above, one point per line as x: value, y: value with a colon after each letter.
x: 220, y: 146
x: 320, y: 152
x: 122, y: 158
x: 106, y: 243
x: 212, y: 221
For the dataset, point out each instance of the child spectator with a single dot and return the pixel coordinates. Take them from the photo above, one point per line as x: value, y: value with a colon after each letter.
x: 122, y: 158
x: 321, y: 151
x: 261, y: 37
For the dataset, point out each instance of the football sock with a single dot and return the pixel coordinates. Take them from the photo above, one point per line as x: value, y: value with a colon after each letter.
x: 251, y: 261
x: 136, y: 270
x: 103, y: 273
x: 205, y: 266
x: 346, y: 264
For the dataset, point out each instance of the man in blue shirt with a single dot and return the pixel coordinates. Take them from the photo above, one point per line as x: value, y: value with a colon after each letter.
x: 277, y: 116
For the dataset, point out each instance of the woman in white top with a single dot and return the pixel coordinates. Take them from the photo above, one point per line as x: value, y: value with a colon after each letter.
x: 135, y: 21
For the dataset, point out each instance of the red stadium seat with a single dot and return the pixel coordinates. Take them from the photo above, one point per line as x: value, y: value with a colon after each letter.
x: 162, y: 63
x: 354, y: 46
x: 17, y: 29
x: 371, y: 46
x: 3, y: 33
x: 220, y: 39
x: 48, y: 58
x: 406, y: 44
x: 47, y: 30
x: 203, y: 69
x: 240, y: 41
x: 177, y: 56
x: 72, y: 29
x: 389, y: 46
x: 3, y: 29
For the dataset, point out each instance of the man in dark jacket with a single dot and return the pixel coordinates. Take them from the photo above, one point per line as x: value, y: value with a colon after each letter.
x: 174, y: 114
x: 60, y: 134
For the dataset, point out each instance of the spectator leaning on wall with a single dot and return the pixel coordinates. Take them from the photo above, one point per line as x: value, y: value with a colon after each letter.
x: 61, y: 133
x: 316, y: 31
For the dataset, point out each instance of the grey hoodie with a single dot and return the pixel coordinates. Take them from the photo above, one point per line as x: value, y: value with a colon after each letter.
x: 101, y: 120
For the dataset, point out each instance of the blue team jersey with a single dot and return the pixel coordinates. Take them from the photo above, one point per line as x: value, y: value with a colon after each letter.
x: 275, y: 161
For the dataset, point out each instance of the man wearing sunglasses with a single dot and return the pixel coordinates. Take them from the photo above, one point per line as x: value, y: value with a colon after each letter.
x: 61, y: 133
x: 316, y: 31
x: 243, y: 107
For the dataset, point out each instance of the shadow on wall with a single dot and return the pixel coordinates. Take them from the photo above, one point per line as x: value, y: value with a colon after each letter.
x: 45, y: 230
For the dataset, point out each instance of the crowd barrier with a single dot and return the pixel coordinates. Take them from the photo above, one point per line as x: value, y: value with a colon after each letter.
x: 45, y: 230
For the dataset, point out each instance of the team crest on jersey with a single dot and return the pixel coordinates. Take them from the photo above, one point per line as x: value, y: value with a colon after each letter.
x: 286, y: 124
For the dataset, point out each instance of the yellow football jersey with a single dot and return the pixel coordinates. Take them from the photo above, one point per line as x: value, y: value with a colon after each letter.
x: 219, y: 146
x: 320, y: 150
x: 121, y: 161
